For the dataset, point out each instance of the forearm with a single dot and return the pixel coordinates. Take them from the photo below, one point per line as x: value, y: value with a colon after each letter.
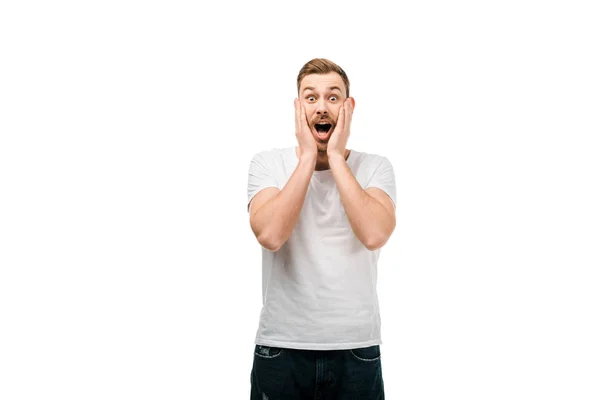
x: 275, y: 220
x: 368, y: 218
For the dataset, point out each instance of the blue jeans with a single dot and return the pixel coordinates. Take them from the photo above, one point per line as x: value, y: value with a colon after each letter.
x: 290, y: 374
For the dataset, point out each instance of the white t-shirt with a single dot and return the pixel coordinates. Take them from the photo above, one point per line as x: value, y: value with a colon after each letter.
x: 320, y: 288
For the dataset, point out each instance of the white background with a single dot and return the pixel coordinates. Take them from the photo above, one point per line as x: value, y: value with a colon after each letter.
x: 128, y: 269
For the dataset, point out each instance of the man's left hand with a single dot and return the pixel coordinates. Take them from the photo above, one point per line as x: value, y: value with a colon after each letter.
x: 341, y: 133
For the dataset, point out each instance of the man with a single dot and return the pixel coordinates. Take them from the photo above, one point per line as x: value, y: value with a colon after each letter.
x: 321, y: 213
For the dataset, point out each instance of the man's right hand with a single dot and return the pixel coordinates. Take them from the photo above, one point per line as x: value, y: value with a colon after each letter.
x: 306, y: 141
x: 273, y: 212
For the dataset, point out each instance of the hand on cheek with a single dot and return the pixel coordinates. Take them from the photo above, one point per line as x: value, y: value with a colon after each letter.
x: 339, y: 137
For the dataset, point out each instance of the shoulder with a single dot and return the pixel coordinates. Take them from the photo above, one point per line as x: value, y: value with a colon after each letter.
x: 369, y: 160
x: 273, y: 161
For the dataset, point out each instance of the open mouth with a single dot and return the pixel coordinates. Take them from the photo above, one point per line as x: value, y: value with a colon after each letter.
x: 322, y: 129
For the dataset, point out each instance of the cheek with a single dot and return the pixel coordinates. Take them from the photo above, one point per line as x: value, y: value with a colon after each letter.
x: 334, y: 114
x: 310, y: 111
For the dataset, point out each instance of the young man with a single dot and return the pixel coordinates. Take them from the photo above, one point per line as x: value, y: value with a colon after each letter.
x: 321, y: 213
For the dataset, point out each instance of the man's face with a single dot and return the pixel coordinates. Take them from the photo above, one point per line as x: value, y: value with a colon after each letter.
x: 322, y: 95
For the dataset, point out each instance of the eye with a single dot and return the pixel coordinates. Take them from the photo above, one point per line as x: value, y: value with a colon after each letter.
x: 310, y: 98
x: 333, y: 98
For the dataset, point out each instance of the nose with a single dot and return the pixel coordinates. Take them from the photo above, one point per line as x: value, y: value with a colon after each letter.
x: 321, y: 107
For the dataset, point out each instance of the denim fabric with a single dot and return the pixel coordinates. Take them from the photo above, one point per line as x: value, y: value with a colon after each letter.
x: 291, y: 374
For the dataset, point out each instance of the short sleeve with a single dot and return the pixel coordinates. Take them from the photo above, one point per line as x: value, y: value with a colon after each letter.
x: 384, y: 179
x: 260, y: 176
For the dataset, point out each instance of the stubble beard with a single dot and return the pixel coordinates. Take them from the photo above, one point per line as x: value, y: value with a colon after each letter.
x: 321, y: 146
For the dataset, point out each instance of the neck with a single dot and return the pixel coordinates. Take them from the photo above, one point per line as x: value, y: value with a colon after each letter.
x: 323, y: 160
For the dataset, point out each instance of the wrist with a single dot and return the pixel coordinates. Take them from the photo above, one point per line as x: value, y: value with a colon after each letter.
x: 306, y: 158
x: 335, y: 156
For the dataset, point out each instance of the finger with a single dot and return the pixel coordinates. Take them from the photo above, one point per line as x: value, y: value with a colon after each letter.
x: 297, y: 113
x: 341, y: 119
x: 349, y: 112
x: 303, y: 119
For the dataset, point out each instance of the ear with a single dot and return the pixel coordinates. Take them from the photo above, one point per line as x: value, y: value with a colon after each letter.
x: 352, y: 102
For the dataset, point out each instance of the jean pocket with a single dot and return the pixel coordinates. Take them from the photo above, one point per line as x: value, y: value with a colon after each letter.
x: 371, y: 353
x: 267, y: 351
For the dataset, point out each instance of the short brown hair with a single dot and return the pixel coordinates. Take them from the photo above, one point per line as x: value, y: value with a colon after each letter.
x: 322, y: 66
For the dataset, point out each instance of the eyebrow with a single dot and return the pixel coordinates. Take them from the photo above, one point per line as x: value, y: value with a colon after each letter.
x: 331, y: 88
